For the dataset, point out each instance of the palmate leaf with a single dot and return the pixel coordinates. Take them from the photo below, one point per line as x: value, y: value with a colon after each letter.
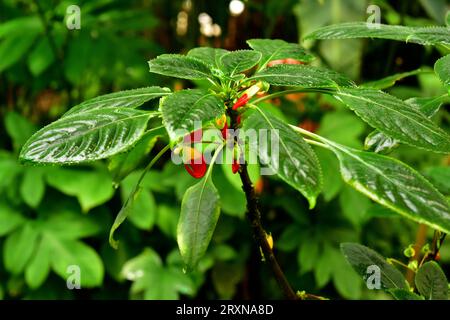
x: 238, y: 61
x: 361, y: 258
x: 87, y: 136
x: 431, y: 281
x: 393, y: 184
x: 122, y: 99
x: 210, y: 56
x: 378, y: 142
x: 419, y: 35
x: 395, y: 118
x: 179, y: 66
x: 302, y: 76
x: 293, y: 161
x: 183, y: 109
x: 276, y: 49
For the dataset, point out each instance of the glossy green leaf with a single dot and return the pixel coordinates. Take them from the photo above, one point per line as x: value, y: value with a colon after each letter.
x: 395, y: 185
x: 238, y: 61
x: 302, y: 76
x: 123, y: 99
x: 198, y: 218
x: 420, y: 35
x: 276, y: 49
x: 442, y: 69
x: 395, y: 118
x: 210, y: 56
x: 87, y: 136
x: 431, y: 281
x: 18, y: 248
x: 293, y: 160
x: 179, y: 66
x: 361, y: 257
x: 389, y: 81
x: 182, y: 110
x: 378, y: 142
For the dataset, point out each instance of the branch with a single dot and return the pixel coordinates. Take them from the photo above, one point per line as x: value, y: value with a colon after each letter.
x: 254, y: 216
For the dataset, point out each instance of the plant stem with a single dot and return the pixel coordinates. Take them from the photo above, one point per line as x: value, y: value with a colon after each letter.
x: 254, y: 216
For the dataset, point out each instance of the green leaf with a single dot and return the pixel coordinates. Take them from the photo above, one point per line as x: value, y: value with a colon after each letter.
x: 39, y: 267
x: 354, y: 206
x: 325, y: 265
x: 389, y: 81
x: 123, y: 99
x: 67, y: 252
x: 361, y: 257
x: 122, y: 164
x: 41, y: 57
x: 32, y: 188
x: 238, y: 61
x: 403, y: 294
x: 87, y: 136
x: 395, y: 185
x: 18, y: 248
x: 198, y: 218
x: 378, y: 142
x: 179, y: 66
x: 293, y: 161
x: 420, y: 35
x: 91, y: 188
x: 431, y: 281
x: 10, y: 219
x: 19, y: 129
x: 210, y: 56
x: 302, y: 76
x: 13, y: 48
x: 142, y: 213
x: 276, y: 49
x: 308, y: 256
x: 395, y: 118
x: 442, y: 69
x: 183, y: 109
x: 440, y: 177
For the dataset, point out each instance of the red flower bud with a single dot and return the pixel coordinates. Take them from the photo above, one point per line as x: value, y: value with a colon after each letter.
x: 225, y: 131
x: 238, y: 119
x: 195, y: 163
x: 235, y: 166
x: 194, y: 136
x: 242, y: 101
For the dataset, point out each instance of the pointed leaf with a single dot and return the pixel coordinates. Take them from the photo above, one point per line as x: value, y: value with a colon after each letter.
x: 87, y: 136
x: 420, y: 35
x: 389, y: 81
x: 395, y: 118
x: 402, y: 294
x: 276, y: 49
x: 210, y: 56
x: 198, y: 218
x: 395, y: 185
x: 19, y: 247
x: 238, y: 61
x: 431, y: 281
x: 122, y: 99
x: 293, y: 161
x: 179, y: 66
x: 442, y: 69
x: 378, y: 142
x: 182, y: 109
x: 302, y: 76
x: 361, y: 258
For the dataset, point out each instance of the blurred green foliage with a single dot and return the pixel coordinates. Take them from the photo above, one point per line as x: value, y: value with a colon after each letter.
x: 52, y: 218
